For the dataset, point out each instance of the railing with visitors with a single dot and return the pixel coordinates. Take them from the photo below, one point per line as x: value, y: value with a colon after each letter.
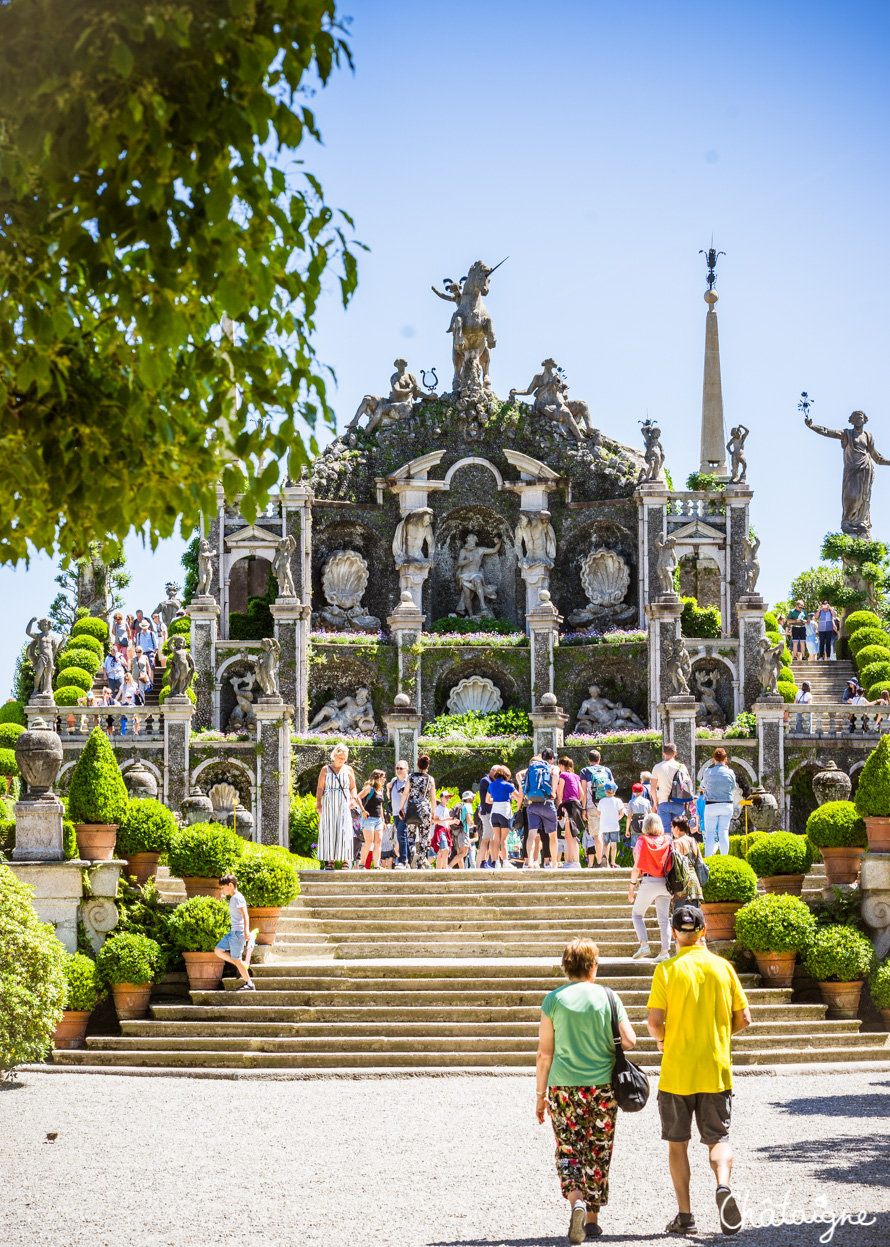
x: 838, y: 719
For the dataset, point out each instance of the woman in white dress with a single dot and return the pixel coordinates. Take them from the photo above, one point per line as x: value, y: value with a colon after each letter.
x: 334, y: 800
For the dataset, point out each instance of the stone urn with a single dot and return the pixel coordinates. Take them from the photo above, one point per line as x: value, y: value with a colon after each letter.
x: 140, y: 782
x: 241, y: 820
x: 205, y: 971
x: 776, y: 969
x: 764, y: 811
x: 38, y: 753
x: 841, y: 865
x: 832, y: 784
x: 842, y: 998
x: 197, y: 808
x: 71, y: 1031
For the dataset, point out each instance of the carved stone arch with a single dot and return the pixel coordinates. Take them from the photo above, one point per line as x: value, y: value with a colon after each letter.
x: 512, y: 684
x: 233, y: 664
x: 565, y: 579
x: 229, y: 769
x: 247, y: 575
x: 382, y: 593
x: 452, y: 529
x: 469, y: 460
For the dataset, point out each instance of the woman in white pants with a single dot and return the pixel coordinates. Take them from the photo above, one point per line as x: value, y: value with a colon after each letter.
x: 718, y: 784
x: 647, y: 886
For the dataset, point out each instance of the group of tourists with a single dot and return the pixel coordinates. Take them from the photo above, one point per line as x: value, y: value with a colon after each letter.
x: 813, y: 635
x: 137, y: 651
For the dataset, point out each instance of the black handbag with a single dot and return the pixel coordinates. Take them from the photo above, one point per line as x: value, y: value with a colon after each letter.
x: 630, y: 1084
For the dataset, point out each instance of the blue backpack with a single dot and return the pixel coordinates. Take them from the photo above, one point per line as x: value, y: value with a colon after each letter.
x: 538, y: 782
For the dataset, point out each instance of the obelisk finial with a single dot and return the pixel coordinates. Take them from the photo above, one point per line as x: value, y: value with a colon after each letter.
x: 713, y: 433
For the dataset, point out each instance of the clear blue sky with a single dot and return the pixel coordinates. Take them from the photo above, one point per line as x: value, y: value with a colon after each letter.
x: 599, y: 145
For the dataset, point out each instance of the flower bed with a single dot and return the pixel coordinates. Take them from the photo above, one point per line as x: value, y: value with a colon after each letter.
x: 629, y: 737
x: 590, y: 636
x: 492, y: 640
x: 339, y: 738
x: 348, y: 638
x: 211, y: 734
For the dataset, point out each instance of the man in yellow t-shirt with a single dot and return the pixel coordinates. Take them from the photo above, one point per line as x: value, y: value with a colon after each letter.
x: 696, y: 1005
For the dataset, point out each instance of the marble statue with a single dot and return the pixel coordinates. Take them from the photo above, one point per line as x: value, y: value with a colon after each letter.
x: 414, y: 542
x: 267, y: 667
x: 678, y: 667
x: 172, y: 606
x: 751, y: 562
x: 92, y: 583
x: 346, y: 715
x: 710, y: 713
x: 344, y: 579
x: 243, y: 715
x: 654, y: 454
x: 45, y: 644
x: 475, y: 594
x: 597, y: 714
x: 281, y: 568
x: 605, y: 578
x: 736, y: 448
x: 770, y: 665
x: 472, y: 331
x: 549, y: 388
x: 205, y: 568
x: 860, y: 456
x: 535, y: 539
x: 181, y: 666
x: 666, y: 566
x: 403, y: 390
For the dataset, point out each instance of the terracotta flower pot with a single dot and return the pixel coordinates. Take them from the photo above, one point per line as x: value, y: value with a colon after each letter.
x: 720, y: 919
x: 265, y: 919
x: 878, y: 832
x: 776, y: 969
x: 71, y: 1031
x: 842, y: 998
x: 204, y: 970
x: 885, y: 1017
x: 789, y: 885
x: 202, y: 885
x: 131, y: 1000
x: 842, y: 865
x: 95, y: 841
x: 143, y: 866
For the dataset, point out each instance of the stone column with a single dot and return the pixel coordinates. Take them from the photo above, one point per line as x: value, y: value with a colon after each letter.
x: 663, y: 617
x: 548, y: 724
x: 273, y: 720
x: 403, y: 728
x: 292, y: 633
x: 543, y: 637
x: 97, y: 911
x: 204, y: 614
x: 405, y: 625
x: 770, y: 712
x: 750, y: 610
x: 678, y: 725
x: 58, y: 890
x: 652, y: 503
x: 874, y: 880
x: 738, y: 499
x: 178, y: 713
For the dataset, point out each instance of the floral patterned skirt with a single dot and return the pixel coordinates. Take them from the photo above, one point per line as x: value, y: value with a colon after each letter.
x: 584, y: 1124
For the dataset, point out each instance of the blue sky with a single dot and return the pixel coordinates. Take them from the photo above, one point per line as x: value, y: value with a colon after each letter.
x: 599, y: 146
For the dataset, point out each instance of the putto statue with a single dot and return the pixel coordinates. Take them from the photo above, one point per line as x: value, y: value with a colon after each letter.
x: 653, y: 473
x: 475, y: 594
x: 346, y: 715
x: 596, y: 714
x: 736, y: 448
x: 678, y: 667
x: 403, y: 390
x: 710, y: 712
x: 535, y: 539
x: 267, y: 667
x: 471, y: 330
x: 751, y: 562
x: 549, y: 388
x: 172, y: 606
x: 206, y: 555
x: 770, y: 665
x: 182, y: 667
x: 45, y: 644
x: 666, y: 566
x: 242, y: 717
x: 281, y: 568
x: 860, y: 457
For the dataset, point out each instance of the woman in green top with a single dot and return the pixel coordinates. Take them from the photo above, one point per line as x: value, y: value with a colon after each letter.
x: 576, y: 1056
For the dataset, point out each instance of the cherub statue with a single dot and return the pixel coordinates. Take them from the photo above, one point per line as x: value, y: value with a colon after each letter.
x: 471, y: 579
x: 243, y: 714
x: 710, y: 712
x: 281, y: 568
x: 549, y: 388
x: 654, y: 453
x: 181, y: 666
x: 535, y: 539
x: 206, y: 555
x: 678, y: 667
x: 736, y: 448
x: 42, y: 651
x: 267, y: 667
x: 751, y: 562
x: 770, y: 665
x: 403, y: 390
x: 454, y: 289
x: 666, y: 566
x: 172, y: 606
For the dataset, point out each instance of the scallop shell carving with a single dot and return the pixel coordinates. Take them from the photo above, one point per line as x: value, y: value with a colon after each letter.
x: 223, y: 796
x: 605, y: 577
x: 344, y: 579
x: 475, y: 693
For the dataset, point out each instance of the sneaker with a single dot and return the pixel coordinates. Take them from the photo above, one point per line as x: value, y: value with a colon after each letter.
x: 643, y: 951
x: 548, y: 865
x: 577, y: 1221
x: 400, y: 866
x: 486, y: 865
x: 683, y: 1223
x: 248, y: 986
x: 593, y: 1229
x: 730, y: 1217
x: 663, y: 956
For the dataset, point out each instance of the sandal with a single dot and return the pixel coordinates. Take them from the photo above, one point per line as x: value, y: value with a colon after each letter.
x: 681, y: 1227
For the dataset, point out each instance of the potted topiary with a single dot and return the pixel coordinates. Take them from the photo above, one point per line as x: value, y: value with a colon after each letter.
x: 781, y: 861
x: 84, y: 993
x: 199, y: 854
x: 97, y: 798
x: 129, y: 964
x: 144, y: 834
x: 879, y: 988
x: 731, y: 885
x: 268, y: 882
x: 196, y: 927
x: 775, y: 928
x: 839, y: 959
x: 836, y: 829
x: 873, y: 797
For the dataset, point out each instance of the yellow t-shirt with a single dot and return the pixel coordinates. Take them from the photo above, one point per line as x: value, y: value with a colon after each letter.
x: 699, y: 994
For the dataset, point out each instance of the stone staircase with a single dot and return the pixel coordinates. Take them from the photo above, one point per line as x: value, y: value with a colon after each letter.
x: 827, y: 680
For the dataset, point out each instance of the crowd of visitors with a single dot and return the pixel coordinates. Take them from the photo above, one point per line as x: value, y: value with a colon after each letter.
x: 812, y: 635
x: 137, y: 653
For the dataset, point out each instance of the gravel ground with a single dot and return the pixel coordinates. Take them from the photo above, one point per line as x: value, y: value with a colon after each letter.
x: 457, y: 1162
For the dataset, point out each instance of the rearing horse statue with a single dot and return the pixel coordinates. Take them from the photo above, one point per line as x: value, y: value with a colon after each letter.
x: 472, y: 331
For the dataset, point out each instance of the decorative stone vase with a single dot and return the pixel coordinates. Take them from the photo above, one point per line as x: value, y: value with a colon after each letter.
x: 197, y: 808
x: 140, y: 782
x: 878, y: 832
x: 201, y: 885
x: 764, y: 811
x: 96, y: 841
x: 143, y: 866
x: 841, y: 865
x: 38, y: 753
x: 720, y: 919
x: 832, y: 784
x: 789, y: 885
x: 131, y: 1000
x: 71, y: 1031
x: 842, y: 998
x: 776, y: 969
x: 205, y: 971
x: 265, y: 919
x: 243, y: 821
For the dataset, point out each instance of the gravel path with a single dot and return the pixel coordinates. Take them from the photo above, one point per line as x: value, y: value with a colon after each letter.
x: 457, y: 1162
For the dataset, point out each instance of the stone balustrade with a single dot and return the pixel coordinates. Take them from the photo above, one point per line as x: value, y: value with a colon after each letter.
x: 124, y: 724
x: 690, y: 504
x: 835, y: 720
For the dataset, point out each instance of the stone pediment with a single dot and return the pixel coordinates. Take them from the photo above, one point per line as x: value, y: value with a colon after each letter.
x: 529, y: 468
x: 698, y: 532
x: 250, y: 537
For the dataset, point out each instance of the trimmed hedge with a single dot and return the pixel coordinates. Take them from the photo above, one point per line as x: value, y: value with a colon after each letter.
x: 775, y: 924
x: 860, y: 619
x: 873, y: 653
x: 130, y: 958
x: 83, y: 658
x: 873, y: 792
x: 85, y: 641
x: 147, y: 827
x: 74, y: 677
x: 84, y: 986
x: 13, y: 711
x: 731, y: 880
x: 780, y: 853
x: 8, y: 764
x: 197, y: 925
x: 267, y: 878
x: 180, y: 627
x: 97, y: 793
x: 879, y: 984
x: 164, y: 693
x: 205, y: 850
x: 789, y: 692
x: 69, y: 695
x: 90, y: 626
x: 868, y: 636
x: 737, y: 843
x: 837, y: 825
x: 875, y: 691
x: 838, y: 954
x: 876, y: 671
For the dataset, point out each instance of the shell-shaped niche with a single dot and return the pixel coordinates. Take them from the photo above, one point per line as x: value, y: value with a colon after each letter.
x: 475, y: 693
x: 344, y: 579
x: 605, y: 577
x: 224, y: 796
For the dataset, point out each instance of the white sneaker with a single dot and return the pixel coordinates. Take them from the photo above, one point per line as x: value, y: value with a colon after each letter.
x: 548, y: 865
x: 663, y: 956
x: 643, y: 951
x: 576, y: 1222
x: 400, y: 866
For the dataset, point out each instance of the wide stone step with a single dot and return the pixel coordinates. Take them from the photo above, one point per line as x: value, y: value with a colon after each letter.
x: 492, y: 947
x: 329, y: 919
x: 405, y: 989
x: 413, y: 971
x: 428, y: 999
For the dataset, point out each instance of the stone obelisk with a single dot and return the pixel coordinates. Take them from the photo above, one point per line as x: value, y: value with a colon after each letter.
x: 713, y: 433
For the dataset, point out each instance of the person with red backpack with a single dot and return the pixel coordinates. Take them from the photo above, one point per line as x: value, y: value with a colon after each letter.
x: 653, y: 859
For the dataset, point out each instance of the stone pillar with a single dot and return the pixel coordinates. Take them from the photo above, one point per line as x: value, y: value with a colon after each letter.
x: 548, y: 724
x: 678, y: 725
x: 204, y: 614
x: 273, y: 720
x: 58, y: 889
x: 178, y: 713
x: 543, y: 637
x: 874, y: 880
x: 652, y: 503
x: 292, y: 633
x: 750, y: 610
x: 738, y: 500
x: 38, y: 829
x: 405, y: 625
x: 663, y: 617
x: 403, y: 728
x: 770, y: 712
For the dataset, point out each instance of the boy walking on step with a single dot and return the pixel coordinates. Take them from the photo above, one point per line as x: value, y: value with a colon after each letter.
x: 231, y: 946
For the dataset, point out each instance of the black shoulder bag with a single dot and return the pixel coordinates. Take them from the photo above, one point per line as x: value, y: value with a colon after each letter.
x: 630, y: 1084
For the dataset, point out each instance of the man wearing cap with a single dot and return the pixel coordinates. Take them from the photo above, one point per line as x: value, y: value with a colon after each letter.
x: 696, y: 1005
x: 637, y: 809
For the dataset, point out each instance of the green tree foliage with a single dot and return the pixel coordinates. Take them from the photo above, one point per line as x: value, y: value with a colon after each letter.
x: 23, y: 679
x: 821, y: 583
x: 147, y: 190
x: 699, y: 621
x: 32, y: 978
x: 189, y: 561
x: 108, y: 575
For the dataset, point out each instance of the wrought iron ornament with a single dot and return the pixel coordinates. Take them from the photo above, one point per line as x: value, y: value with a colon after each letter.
x: 711, y: 260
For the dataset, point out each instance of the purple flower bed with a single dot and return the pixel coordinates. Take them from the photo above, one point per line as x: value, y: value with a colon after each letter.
x: 496, y: 640
x: 615, y: 636
x: 348, y: 638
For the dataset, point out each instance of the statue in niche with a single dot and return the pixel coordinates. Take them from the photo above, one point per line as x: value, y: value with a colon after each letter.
x: 549, y: 388
x: 346, y: 716
x: 736, y: 448
x: 242, y: 717
x: 281, y: 568
x: 267, y: 667
x: 770, y: 665
x: 45, y: 644
x: 653, y: 473
x: 475, y: 594
x: 605, y: 577
x: 666, y: 566
x: 751, y: 562
x: 172, y: 606
x: 403, y: 391
x: 181, y: 666
x: 597, y: 714
x: 471, y: 330
x: 535, y: 539
x: 344, y: 580
x: 678, y: 667
x: 709, y: 712
x: 860, y: 456
x: 414, y: 543
x: 206, y: 555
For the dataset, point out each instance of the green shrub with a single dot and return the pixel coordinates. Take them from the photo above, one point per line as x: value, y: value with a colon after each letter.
x: 97, y: 793
x: 74, y: 677
x: 789, y: 691
x: 205, y: 850
x: 737, y: 843
x: 32, y: 978
x: 731, y: 880
x: 90, y: 626
x: 775, y: 924
x: 860, y: 619
x: 699, y: 621
x: 85, y: 988
x: 875, y: 690
x: 303, y: 826
x: 7, y: 835
x: 875, y: 671
x: 771, y: 622
x: 457, y: 623
x: 873, y: 792
x: 868, y: 636
x: 165, y: 691
x: 13, y: 712
x: 873, y: 653
x: 83, y: 658
x: 473, y: 723
x: 267, y: 878
x: 8, y: 764
x: 69, y: 839
x: 780, y: 853
x: 147, y: 827
x: 197, y: 925
x: 837, y: 825
x: 68, y: 695
x: 180, y: 627
x: 130, y: 958
x: 142, y: 912
x: 85, y: 641
x: 879, y: 984
x: 838, y: 954
x: 743, y: 727
x: 786, y: 676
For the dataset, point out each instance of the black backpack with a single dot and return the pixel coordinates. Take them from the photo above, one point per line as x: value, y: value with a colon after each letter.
x: 630, y: 1084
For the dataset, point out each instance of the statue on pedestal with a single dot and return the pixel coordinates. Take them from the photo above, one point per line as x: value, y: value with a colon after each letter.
x: 205, y: 568
x: 472, y: 331
x: 653, y: 473
x: 172, y: 606
x: 281, y: 568
x: 181, y: 666
x: 751, y: 562
x: 403, y: 390
x: 535, y: 539
x: 243, y: 715
x: 736, y: 448
x: 710, y: 713
x: 45, y: 644
x: 597, y: 714
x: 770, y: 665
x: 860, y: 456
x: 267, y: 667
x: 475, y: 594
x: 678, y: 667
x: 549, y: 388
x: 346, y: 715
x: 667, y: 563
x: 414, y: 542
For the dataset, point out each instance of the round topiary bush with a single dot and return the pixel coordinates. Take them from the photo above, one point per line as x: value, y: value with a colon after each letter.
x: 837, y: 825
x: 775, y: 924
x: 69, y: 695
x: 197, y: 925
x: 879, y: 984
x: 731, y: 880
x: 780, y: 853
x: 32, y: 978
x: 205, y: 850
x: 83, y: 658
x: 8, y: 764
x: 74, y: 677
x: 786, y: 676
x: 873, y: 653
x: 860, y: 619
x: 13, y: 712
x: 789, y: 691
x: 180, y: 627
x: 873, y: 792
x: 771, y: 622
x: 837, y: 954
x: 9, y: 734
x: 85, y: 641
x: 84, y: 985
x: 868, y: 636
x: 266, y: 878
x: 90, y: 626
x: 147, y: 827
x: 165, y: 691
x: 875, y: 690
x: 875, y: 671
x: 130, y: 958
x: 737, y: 843
x: 97, y: 793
